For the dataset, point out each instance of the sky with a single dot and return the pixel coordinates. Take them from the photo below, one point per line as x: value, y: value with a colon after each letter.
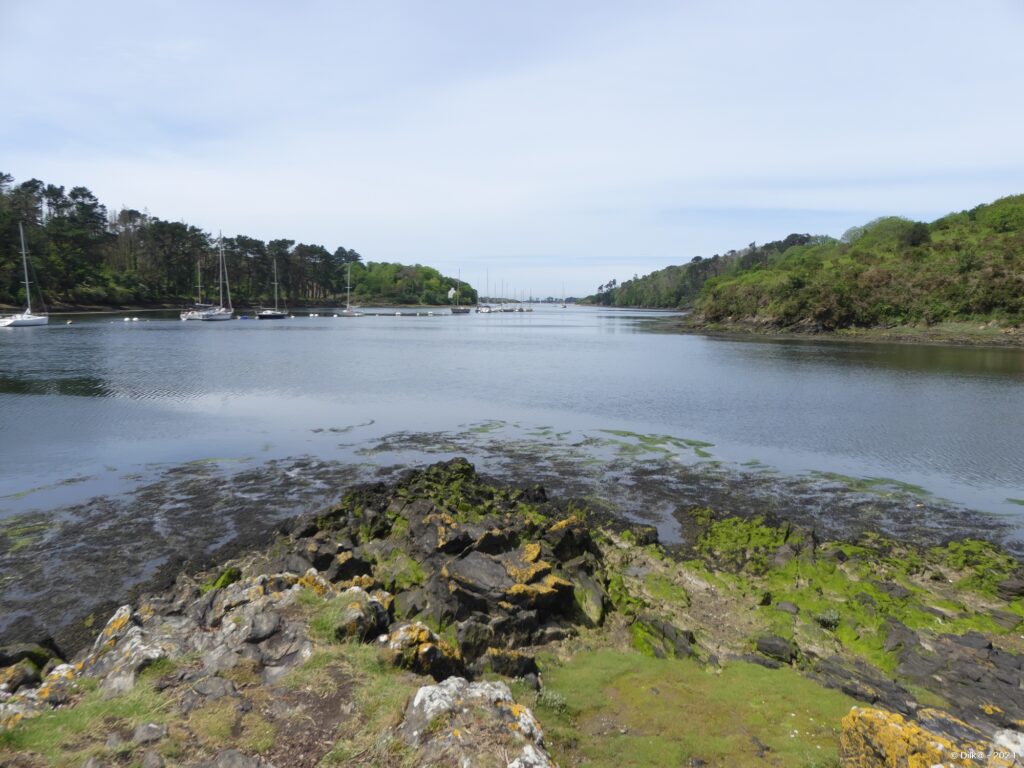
x: 532, y: 144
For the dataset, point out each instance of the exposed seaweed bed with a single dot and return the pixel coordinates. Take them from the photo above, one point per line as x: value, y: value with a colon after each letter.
x: 751, y: 640
x: 63, y: 570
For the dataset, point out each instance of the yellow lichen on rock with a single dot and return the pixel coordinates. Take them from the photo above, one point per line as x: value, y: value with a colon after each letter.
x: 528, y: 572
x: 530, y: 552
x: 565, y: 522
x: 315, y: 582
x: 875, y: 738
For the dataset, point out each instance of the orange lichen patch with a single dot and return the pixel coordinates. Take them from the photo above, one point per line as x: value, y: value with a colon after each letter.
x: 874, y: 738
x: 506, y: 605
x: 549, y: 586
x: 313, y: 581
x: 117, y: 622
x: 564, y: 523
x: 343, y: 557
x: 384, y: 598
x: 530, y: 552
x: 362, y: 581
x: 527, y: 573
x: 990, y: 709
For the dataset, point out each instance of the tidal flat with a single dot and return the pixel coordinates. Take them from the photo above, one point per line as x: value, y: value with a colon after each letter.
x: 62, y: 570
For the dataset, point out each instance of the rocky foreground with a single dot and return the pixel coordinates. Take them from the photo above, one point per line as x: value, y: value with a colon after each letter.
x: 442, y: 620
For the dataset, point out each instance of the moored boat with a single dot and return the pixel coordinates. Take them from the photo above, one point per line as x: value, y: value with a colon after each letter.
x: 27, y: 317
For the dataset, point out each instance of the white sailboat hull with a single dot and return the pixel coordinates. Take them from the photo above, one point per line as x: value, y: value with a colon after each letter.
x: 221, y: 313
x: 26, y: 318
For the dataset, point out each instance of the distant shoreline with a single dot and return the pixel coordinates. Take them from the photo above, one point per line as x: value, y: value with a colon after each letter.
x: 958, y: 334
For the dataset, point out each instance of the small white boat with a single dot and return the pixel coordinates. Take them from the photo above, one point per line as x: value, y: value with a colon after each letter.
x: 27, y: 317
x: 349, y: 310
x: 199, y: 308
x: 221, y: 312
x: 275, y: 313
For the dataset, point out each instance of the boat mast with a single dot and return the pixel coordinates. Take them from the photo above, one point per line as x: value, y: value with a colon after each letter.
x: 224, y: 266
x: 458, y: 284
x: 24, y: 264
x: 348, y: 288
x: 220, y: 270
x: 275, y: 285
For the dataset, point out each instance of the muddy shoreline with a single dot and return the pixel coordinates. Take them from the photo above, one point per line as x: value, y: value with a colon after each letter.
x: 63, y: 571
x: 962, y: 335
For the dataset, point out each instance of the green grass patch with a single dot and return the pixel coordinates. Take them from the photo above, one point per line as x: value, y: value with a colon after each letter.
x: 62, y: 736
x: 661, y: 587
x: 379, y: 693
x: 672, y: 710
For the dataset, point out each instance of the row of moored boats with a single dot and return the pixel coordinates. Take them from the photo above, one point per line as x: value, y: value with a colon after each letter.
x: 224, y: 311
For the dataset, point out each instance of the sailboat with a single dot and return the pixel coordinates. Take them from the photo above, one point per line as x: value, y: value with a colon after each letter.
x: 348, y: 311
x: 458, y: 310
x: 199, y: 308
x: 26, y: 317
x: 563, y: 295
x: 485, y: 308
x: 275, y: 313
x: 221, y: 312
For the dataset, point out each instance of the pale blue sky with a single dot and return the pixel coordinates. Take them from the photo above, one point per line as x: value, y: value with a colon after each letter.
x: 542, y: 141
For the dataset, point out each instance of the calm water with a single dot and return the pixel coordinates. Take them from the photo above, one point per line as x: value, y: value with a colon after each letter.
x: 86, y: 408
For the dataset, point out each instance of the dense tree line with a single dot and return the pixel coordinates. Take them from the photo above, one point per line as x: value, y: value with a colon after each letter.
x: 678, y: 286
x: 82, y: 254
x: 891, y: 271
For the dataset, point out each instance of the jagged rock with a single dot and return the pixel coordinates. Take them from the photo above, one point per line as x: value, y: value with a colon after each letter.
x: 37, y: 653
x: 506, y: 662
x: 551, y: 594
x: 346, y: 565
x: 893, y: 590
x: 982, y: 684
x: 898, y: 636
x: 661, y: 638
x: 364, y: 617
x: 1011, y: 588
x: 416, y: 647
x: 481, y: 576
x: 589, y: 597
x: 787, y: 607
x: 260, y: 627
x: 149, y: 733
x: 457, y: 723
x: 862, y: 682
x: 290, y: 563
x: 874, y: 738
x: 21, y: 673
x: 474, y: 636
x: 214, y: 687
x: 151, y: 759
x: 778, y: 648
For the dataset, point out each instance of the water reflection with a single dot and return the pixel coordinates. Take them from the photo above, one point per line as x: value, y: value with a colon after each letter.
x: 101, y: 393
x: 916, y: 358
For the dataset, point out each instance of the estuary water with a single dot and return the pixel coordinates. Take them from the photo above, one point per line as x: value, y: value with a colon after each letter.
x: 92, y: 407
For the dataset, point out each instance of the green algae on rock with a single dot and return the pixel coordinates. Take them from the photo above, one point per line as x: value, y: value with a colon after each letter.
x: 318, y: 649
